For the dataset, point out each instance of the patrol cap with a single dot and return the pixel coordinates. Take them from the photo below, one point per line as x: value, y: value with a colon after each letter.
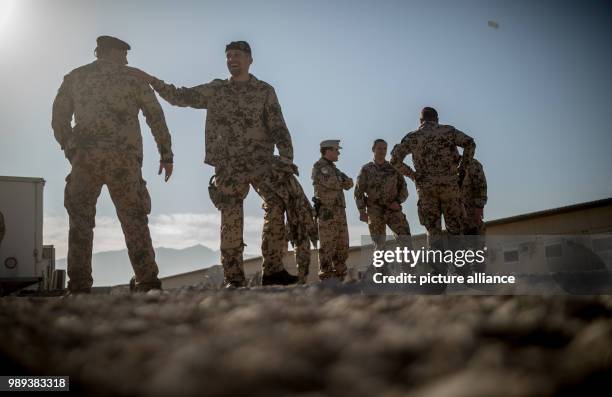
x: 108, y: 42
x: 335, y: 143
x: 238, y: 45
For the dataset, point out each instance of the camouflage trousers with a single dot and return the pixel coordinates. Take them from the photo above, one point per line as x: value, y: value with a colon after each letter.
x: 334, y: 242
x: 437, y: 200
x: 378, y: 220
x: 121, y: 173
x: 472, y: 225
x: 233, y: 182
x: 302, y: 259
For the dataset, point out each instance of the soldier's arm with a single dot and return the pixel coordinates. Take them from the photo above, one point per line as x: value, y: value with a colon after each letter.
x: 154, y: 115
x: 195, y: 97
x: 398, y: 154
x: 468, y: 145
x: 275, y: 123
x: 326, y: 177
x: 479, y: 184
x: 360, y: 186
x: 63, y: 108
x: 347, y: 181
x: 402, y: 189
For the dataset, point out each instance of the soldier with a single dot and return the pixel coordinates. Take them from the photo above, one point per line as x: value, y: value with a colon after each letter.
x: 473, y: 184
x: 244, y: 123
x: 379, y: 194
x: 432, y: 146
x: 328, y: 184
x: 105, y: 148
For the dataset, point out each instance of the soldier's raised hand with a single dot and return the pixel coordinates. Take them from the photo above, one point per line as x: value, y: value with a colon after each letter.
x: 167, y: 168
x: 147, y: 78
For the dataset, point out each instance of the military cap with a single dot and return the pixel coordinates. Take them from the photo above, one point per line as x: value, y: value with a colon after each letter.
x: 238, y: 45
x: 112, y: 42
x: 331, y: 143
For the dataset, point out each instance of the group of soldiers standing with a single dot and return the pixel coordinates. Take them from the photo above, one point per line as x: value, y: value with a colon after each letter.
x: 448, y: 184
x: 244, y: 125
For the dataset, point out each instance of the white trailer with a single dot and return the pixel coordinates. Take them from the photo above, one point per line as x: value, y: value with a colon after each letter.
x: 24, y: 261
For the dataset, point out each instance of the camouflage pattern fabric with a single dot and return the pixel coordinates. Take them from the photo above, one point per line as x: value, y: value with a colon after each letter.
x: 105, y: 147
x: 377, y: 187
x: 301, y: 225
x: 244, y: 119
x: 91, y: 169
x: 105, y: 101
x: 432, y: 147
x: 244, y: 123
x: 474, y: 196
x: 329, y: 184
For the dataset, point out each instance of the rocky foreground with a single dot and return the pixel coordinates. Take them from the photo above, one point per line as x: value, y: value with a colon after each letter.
x: 311, y: 341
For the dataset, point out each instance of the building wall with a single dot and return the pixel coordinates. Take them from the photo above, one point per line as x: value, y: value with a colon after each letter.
x: 572, y: 221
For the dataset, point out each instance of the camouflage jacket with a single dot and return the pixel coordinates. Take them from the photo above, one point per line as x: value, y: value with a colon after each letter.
x: 329, y: 182
x: 474, y: 185
x: 105, y: 101
x: 244, y: 119
x: 432, y: 148
x: 379, y: 185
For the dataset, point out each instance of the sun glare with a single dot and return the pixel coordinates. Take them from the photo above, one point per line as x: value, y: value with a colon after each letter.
x: 6, y: 11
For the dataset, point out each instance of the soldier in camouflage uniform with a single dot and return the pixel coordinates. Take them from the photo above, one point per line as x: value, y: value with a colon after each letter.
x: 379, y: 193
x: 301, y: 227
x: 435, y: 175
x: 473, y: 184
x: 328, y: 184
x: 244, y: 123
x: 105, y: 148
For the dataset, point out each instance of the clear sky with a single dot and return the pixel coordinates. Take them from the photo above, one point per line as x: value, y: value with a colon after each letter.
x: 535, y: 93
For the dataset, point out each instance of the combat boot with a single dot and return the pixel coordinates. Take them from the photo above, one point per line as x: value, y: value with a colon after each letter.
x: 144, y: 287
x: 279, y: 278
x: 234, y: 284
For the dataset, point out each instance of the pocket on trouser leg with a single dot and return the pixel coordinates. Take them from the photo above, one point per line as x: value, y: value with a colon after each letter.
x: 145, y: 197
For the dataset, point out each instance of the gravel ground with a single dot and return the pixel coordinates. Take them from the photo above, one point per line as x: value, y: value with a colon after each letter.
x: 311, y: 341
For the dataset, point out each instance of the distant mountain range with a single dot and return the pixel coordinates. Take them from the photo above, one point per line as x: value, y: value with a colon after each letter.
x: 113, y: 267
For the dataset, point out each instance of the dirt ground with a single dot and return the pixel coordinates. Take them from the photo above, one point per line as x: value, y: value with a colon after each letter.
x: 311, y: 341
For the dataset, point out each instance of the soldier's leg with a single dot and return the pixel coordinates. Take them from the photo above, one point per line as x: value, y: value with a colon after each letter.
x: 273, y: 237
x: 377, y: 227
x: 327, y: 245
x: 452, y: 208
x: 430, y: 211
x: 302, y: 259
x: 234, y: 188
x: 83, y: 187
x: 133, y: 205
x: 342, y: 243
x: 454, y: 216
x: 378, y: 233
x: 474, y: 234
x: 397, y: 222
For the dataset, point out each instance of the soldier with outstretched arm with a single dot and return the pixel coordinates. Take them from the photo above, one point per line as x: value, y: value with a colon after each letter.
x: 244, y: 123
